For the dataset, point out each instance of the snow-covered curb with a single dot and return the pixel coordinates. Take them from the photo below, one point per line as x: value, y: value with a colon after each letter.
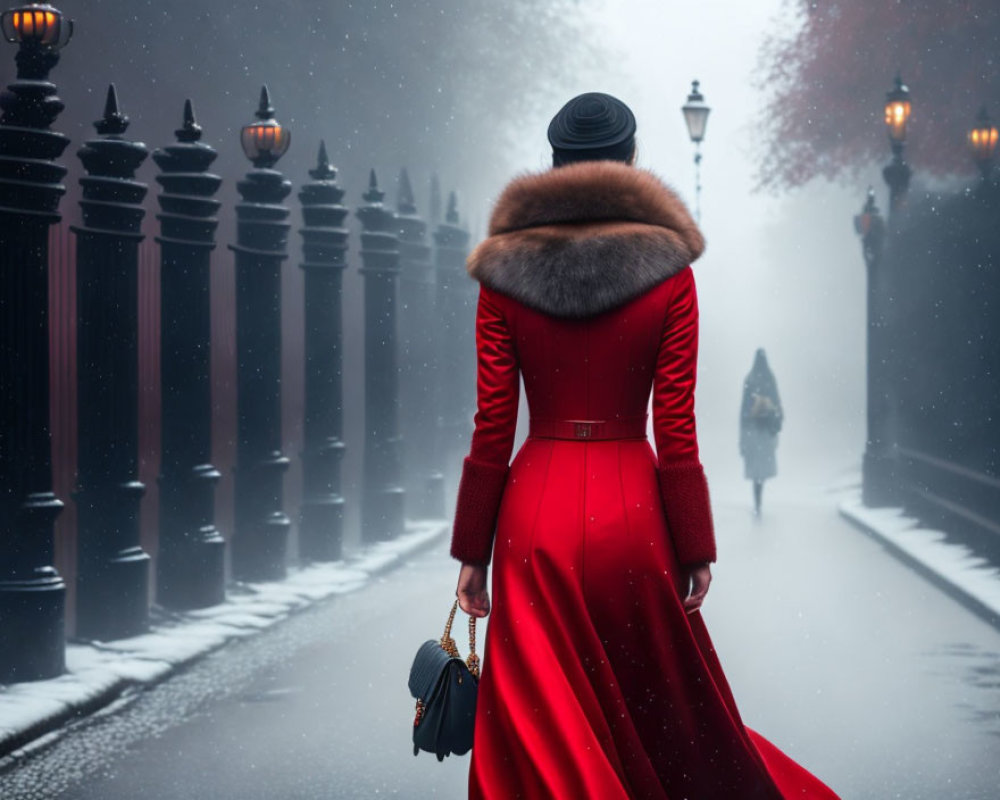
x: 953, y: 567
x: 99, y: 672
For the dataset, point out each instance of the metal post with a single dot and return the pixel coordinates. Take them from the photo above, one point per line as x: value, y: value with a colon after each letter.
x: 191, y: 570
x: 113, y: 575
x: 32, y: 593
x: 456, y: 317
x: 425, y: 483
x: 897, y: 176
x: 260, y: 542
x: 324, y: 249
x: 382, y: 495
x: 878, y: 462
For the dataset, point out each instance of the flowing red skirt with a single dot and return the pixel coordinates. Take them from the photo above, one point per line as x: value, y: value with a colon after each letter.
x: 596, y: 683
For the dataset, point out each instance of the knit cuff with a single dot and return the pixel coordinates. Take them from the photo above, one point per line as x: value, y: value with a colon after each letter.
x: 684, y: 492
x: 479, y: 493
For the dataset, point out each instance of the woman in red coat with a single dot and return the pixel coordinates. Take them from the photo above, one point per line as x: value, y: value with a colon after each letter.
x: 599, y: 678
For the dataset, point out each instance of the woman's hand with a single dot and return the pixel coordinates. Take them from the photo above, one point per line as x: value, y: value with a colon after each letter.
x: 473, y: 598
x: 698, y: 579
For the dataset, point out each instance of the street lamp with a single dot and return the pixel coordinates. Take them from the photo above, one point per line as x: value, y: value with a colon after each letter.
x: 261, y: 533
x: 32, y: 593
x: 983, y: 142
x: 38, y: 25
x: 696, y: 116
x: 266, y: 140
x: 897, y: 115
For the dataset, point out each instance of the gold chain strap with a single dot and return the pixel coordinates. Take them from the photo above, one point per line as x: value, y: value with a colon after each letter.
x: 449, y: 646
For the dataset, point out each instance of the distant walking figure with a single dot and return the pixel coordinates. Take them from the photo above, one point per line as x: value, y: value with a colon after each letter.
x: 760, y: 420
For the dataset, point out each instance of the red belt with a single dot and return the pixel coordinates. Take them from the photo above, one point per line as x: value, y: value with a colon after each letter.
x: 632, y: 428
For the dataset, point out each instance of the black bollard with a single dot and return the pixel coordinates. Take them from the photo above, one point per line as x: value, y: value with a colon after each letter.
x: 456, y: 318
x: 324, y: 249
x: 32, y: 593
x: 113, y: 571
x: 382, y: 492
x: 260, y: 543
x: 191, y: 569
x: 418, y: 387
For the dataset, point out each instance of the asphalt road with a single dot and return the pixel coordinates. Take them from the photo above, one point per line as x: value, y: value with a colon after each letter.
x: 860, y: 669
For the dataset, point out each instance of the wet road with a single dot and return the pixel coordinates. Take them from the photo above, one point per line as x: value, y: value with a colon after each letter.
x: 858, y: 668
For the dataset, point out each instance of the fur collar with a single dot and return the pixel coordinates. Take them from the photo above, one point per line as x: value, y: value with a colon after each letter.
x: 585, y: 238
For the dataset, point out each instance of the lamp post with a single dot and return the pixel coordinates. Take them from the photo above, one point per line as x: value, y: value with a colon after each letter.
x: 191, y: 565
x: 897, y: 115
x: 983, y: 142
x: 324, y: 251
x: 32, y: 593
x: 261, y: 536
x: 877, y: 463
x: 696, y: 116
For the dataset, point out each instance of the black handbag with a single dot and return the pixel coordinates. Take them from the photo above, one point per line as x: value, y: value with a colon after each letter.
x: 445, y: 688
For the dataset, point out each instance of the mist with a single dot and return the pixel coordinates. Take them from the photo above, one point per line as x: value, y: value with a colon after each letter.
x: 850, y: 658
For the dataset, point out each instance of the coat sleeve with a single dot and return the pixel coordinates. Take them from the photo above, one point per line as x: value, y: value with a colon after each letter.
x: 683, y: 487
x: 484, y: 471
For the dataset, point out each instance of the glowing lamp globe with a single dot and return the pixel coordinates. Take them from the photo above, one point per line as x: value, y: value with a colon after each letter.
x: 36, y: 25
x: 983, y: 140
x: 265, y: 140
x: 897, y: 111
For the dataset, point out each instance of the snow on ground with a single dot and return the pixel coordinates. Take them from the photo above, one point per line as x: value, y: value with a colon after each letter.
x: 99, y: 672
x: 970, y: 578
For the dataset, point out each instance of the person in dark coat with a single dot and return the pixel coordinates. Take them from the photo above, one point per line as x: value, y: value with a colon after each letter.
x: 761, y: 417
x: 599, y: 679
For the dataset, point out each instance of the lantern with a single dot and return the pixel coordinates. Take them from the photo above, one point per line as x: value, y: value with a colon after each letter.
x: 696, y: 113
x: 897, y: 111
x: 983, y: 140
x: 266, y: 140
x: 36, y: 25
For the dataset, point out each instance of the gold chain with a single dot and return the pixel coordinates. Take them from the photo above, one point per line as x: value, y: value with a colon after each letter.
x: 449, y: 646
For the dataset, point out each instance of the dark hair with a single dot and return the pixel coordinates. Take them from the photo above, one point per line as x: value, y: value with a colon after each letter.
x: 618, y: 152
x: 592, y: 127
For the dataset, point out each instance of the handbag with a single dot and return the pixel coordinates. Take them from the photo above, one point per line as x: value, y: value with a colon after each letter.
x: 445, y: 688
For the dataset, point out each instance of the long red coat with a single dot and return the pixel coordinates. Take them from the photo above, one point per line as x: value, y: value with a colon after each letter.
x: 596, y: 683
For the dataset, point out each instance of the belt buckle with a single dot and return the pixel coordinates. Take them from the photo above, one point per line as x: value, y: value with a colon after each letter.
x: 583, y: 430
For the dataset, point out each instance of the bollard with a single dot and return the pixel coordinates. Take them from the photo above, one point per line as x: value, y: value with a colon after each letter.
x: 191, y: 569
x: 113, y: 573
x: 324, y: 250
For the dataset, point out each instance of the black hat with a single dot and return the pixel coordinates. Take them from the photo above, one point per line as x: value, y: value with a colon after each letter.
x: 592, y: 126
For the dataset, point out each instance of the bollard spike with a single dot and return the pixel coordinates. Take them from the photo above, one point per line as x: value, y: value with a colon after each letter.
x: 374, y: 194
x: 113, y: 123
x: 265, y: 110
x: 190, y: 130
x: 405, y: 204
x: 323, y: 171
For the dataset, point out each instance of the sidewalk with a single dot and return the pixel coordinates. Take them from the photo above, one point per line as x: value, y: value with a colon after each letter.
x: 101, y: 673
x: 952, y: 567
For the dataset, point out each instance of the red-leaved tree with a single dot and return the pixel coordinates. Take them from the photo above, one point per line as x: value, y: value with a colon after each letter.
x: 826, y: 74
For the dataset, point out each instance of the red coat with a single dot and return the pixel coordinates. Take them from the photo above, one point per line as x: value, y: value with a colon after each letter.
x: 596, y: 683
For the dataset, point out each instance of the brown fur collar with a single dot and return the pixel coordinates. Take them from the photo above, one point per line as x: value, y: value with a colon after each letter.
x: 585, y: 238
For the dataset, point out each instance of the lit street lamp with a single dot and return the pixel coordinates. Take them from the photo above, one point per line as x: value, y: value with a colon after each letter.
x: 897, y: 115
x: 261, y: 534
x: 696, y: 116
x: 32, y: 593
x: 983, y: 142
